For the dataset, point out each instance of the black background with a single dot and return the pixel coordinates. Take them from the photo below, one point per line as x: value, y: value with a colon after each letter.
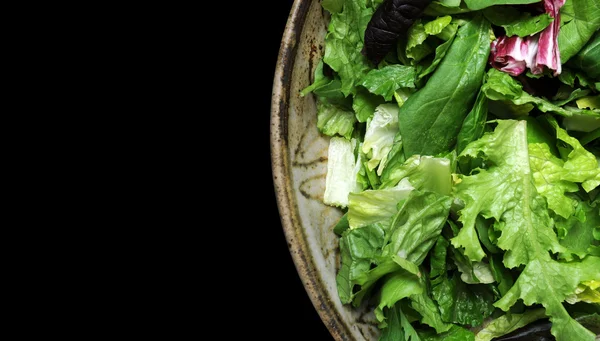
x: 298, y: 317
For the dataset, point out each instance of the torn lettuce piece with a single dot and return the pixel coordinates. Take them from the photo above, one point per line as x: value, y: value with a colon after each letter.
x: 423, y: 172
x: 372, y: 206
x: 358, y: 248
x: 500, y: 86
x: 547, y: 282
x: 417, y: 225
x: 508, y: 323
x: 517, y: 22
x: 379, y: 137
x: 581, y: 21
x: 506, y: 192
x: 576, y: 234
x: 387, y: 80
x: 342, y: 169
x: 334, y: 119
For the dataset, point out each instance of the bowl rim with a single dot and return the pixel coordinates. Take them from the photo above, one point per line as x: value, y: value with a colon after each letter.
x: 280, y: 165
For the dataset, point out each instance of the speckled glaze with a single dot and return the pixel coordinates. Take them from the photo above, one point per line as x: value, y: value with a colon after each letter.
x: 299, y: 163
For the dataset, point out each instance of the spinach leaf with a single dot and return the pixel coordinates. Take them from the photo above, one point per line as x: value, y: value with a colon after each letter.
x: 432, y: 117
x: 474, y: 124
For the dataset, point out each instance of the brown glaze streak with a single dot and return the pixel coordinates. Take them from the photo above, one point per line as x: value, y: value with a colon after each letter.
x: 281, y: 167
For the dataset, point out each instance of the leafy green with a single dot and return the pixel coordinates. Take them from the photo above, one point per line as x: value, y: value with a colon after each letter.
x: 577, y: 234
x: 592, y: 102
x: 364, y: 104
x: 440, y: 53
x: 379, y: 137
x: 431, y: 118
x: 582, y: 19
x: 344, y: 41
x: 506, y: 192
x: 479, y: 4
x: 398, y: 327
x: 335, y: 120
x: 462, y: 304
x: 548, y: 282
x: 423, y: 172
x: 341, y: 172
x: 416, y: 48
x: 588, y: 59
x: 437, y: 25
x: 516, y: 22
x: 501, y: 86
x: 395, y: 287
x: 417, y: 225
x: 428, y: 309
x: 372, y: 206
x: 474, y: 124
x: 358, y: 248
x: 387, y: 80
x: 333, y: 6
x: 508, y: 323
x: 456, y: 333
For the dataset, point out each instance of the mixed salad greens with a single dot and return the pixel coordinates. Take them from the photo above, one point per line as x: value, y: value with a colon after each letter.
x: 466, y: 163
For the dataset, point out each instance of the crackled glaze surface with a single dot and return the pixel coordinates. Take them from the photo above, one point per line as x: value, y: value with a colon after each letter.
x: 299, y: 163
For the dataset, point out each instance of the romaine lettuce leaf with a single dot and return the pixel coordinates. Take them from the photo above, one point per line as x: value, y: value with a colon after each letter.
x: 508, y: 323
x: 423, y: 172
x: 341, y: 172
x: 548, y: 283
x: 334, y: 120
x: 379, y: 137
x: 372, y: 206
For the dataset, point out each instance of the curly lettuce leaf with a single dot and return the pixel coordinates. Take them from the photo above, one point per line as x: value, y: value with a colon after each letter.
x: 577, y: 233
x: 344, y: 42
x: 508, y: 323
x: 547, y: 282
x: 506, y: 192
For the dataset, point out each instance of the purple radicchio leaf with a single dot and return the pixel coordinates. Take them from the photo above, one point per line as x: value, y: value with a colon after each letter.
x: 515, y: 54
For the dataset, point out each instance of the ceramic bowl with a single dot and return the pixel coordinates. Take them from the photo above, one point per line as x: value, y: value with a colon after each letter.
x: 299, y: 164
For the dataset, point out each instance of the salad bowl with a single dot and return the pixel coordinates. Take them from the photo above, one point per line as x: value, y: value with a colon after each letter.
x: 299, y: 161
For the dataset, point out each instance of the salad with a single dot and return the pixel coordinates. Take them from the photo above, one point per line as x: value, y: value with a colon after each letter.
x: 464, y: 154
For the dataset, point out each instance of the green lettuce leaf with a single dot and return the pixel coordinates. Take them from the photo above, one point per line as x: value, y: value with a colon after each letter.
x: 588, y: 59
x: 364, y: 104
x: 516, y: 22
x: 396, y: 286
x: 577, y: 233
x: 335, y: 120
x: 423, y: 172
x: 325, y: 87
x: 461, y: 303
x: 333, y: 6
x: 379, y: 137
x: 344, y: 42
x: 358, y: 249
x: 398, y: 327
x: 508, y: 323
x: 437, y: 25
x: 417, y: 225
x: 440, y: 53
x: 341, y: 172
x: 547, y: 282
x: 506, y: 192
x: 372, y: 206
x: 480, y: 4
x: 387, y: 80
x: 474, y: 124
x: 456, y: 333
x: 430, y: 314
x: 500, y: 86
x: 581, y: 18
x: 416, y: 46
